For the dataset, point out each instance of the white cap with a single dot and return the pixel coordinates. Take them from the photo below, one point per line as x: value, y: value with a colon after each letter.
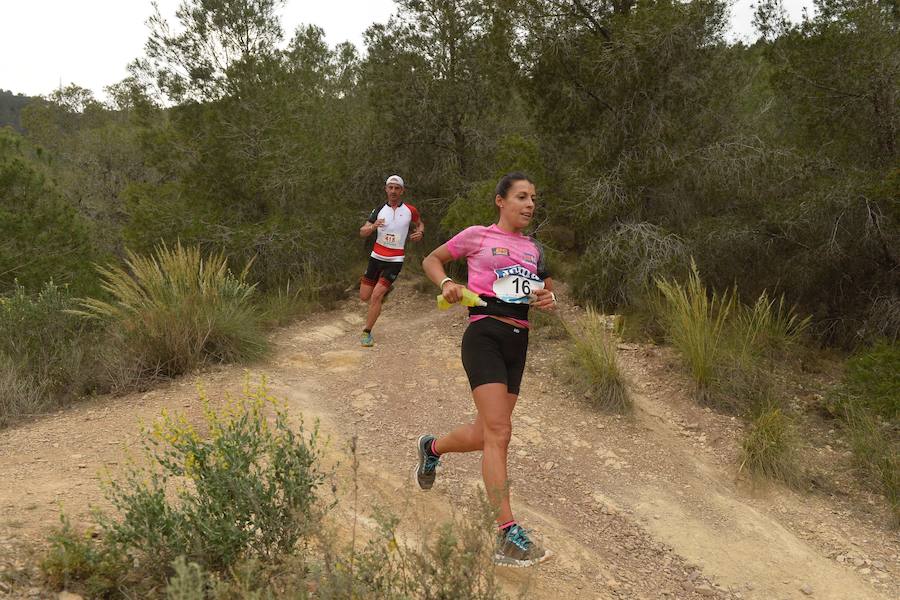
x: 395, y: 179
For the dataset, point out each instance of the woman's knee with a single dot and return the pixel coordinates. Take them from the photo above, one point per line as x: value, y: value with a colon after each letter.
x: 497, y: 433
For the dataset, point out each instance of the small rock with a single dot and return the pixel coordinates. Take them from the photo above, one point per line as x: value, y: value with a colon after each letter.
x: 705, y: 590
x: 68, y: 596
x: 548, y: 466
x: 807, y: 589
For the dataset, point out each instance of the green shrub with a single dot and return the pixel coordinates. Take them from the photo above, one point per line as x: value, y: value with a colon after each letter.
x: 593, y: 366
x: 233, y: 513
x: 696, y: 322
x: 876, y: 450
x: 78, y: 559
x: 45, y: 352
x: 873, y: 379
x: 244, y: 490
x: 769, y: 446
x: 294, y: 299
x: 869, y: 402
x: 20, y: 393
x: 188, y: 583
x: 619, y: 267
x: 178, y: 309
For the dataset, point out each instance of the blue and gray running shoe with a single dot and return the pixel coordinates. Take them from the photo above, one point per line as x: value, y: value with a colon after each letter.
x: 367, y: 340
x: 426, y: 468
x: 516, y: 549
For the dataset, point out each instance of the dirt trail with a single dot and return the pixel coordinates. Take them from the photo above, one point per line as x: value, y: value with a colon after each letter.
x: 642, y: 507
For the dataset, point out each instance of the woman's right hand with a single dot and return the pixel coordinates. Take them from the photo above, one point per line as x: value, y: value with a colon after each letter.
x: 452, y: 292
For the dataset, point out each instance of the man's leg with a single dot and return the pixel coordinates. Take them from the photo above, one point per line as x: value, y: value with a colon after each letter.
x: 375, y: 301
x: 369, y: 279
x: 365, y: 290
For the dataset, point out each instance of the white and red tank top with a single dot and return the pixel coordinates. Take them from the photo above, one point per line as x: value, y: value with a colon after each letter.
x: 392, y: 235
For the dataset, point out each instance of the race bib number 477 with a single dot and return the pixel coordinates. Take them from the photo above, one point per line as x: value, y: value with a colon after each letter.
x: 515, y: 284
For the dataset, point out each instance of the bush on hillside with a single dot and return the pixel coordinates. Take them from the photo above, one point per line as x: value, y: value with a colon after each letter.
x: 46, y: 353
x: 769, y: 446
x: 243, y: 488
x: 593, y: 366
x: 869, y: 402
x: 232, y: 510
x: 178, y: 309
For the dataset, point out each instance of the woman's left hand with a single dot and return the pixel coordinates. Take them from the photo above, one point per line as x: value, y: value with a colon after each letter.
x: 544, y: 300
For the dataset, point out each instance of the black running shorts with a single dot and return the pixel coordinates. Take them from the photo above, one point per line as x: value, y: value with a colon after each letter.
x: 494, y: 352
x: 381, y: 270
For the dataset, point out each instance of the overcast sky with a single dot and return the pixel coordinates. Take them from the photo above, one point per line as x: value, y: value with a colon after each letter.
x: 90, y: 42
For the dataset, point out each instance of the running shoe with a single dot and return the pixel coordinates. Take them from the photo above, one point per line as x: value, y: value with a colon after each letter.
x: 367, y: 340
x: 516, y: 549
x: 426, y: 468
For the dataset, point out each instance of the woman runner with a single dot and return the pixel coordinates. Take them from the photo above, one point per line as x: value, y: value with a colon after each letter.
x: 506, y: 269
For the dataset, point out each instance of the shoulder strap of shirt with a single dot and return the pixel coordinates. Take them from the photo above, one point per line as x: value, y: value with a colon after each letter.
x: 373, y: 216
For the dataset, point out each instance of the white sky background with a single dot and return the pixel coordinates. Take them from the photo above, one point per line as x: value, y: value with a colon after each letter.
x: 45, y: 43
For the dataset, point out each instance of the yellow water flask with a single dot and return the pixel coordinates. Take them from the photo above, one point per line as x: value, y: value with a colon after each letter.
x: 469, y: 298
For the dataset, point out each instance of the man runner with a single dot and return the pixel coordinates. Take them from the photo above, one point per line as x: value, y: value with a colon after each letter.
x: 391, y: 220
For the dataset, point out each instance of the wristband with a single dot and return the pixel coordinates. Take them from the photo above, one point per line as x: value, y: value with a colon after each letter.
x: 443, y: 281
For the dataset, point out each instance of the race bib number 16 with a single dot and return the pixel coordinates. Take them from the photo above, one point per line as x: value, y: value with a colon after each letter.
x: 515, y: 284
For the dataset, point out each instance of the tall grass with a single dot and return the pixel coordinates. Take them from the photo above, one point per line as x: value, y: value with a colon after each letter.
x: 769, y: 447
x: 869, y: 402
x: 731, y: 351
x: 292, y: 299
x: 876, y: 450
x: 593, y: 366
x: 178, y: 309
x: 769, y: 325
x: 696, y: 321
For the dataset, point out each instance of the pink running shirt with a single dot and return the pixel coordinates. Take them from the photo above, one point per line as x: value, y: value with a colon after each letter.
x: 506, y: 266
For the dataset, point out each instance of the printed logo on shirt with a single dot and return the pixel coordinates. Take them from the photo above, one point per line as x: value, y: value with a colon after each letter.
x: 530, y: 258
x: 500, y: 251
x: 516, y: 270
